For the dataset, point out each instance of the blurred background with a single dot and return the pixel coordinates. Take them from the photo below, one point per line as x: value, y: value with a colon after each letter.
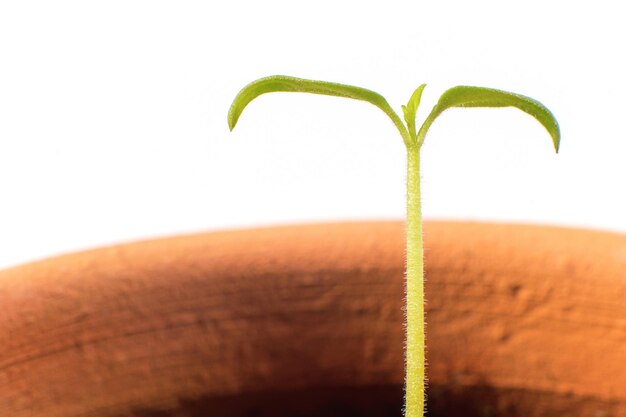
x: 113, y: 116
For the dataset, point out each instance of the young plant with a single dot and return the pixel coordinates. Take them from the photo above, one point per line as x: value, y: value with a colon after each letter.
x: 461, y: 96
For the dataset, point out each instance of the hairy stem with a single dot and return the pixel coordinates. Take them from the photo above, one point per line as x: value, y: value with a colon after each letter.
x: 415, y: 357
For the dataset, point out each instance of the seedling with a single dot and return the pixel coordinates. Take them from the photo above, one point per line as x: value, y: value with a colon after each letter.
x: 461, y: 96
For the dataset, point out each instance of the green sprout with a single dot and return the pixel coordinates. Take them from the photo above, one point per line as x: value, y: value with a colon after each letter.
x: 461, y: 96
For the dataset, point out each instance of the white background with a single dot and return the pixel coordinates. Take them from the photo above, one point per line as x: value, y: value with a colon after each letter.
x: 113, y: 116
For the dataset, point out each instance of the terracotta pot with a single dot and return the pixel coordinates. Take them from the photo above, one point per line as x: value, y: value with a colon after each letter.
x: 307, y: 321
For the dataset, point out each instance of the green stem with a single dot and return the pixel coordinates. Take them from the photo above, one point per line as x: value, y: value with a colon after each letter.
x: 415, y: 357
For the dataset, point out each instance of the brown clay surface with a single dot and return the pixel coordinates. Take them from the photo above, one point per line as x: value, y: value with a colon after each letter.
x: 307, y: 321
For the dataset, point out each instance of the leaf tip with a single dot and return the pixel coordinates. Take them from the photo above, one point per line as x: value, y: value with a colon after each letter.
x: 555, y: 132
x: 232, y: 119
x: 557, y: 143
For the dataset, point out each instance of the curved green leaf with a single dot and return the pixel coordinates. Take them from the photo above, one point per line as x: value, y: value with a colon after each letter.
x: 410, y: 110
x: 464, y: 96
x: 282, y: 83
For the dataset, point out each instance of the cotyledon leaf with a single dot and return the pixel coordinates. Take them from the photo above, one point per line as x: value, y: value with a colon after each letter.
x: 282, y: 83
x: 465, y: 96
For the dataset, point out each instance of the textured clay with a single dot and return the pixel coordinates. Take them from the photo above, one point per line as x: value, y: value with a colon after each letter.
x: 307, y: 321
